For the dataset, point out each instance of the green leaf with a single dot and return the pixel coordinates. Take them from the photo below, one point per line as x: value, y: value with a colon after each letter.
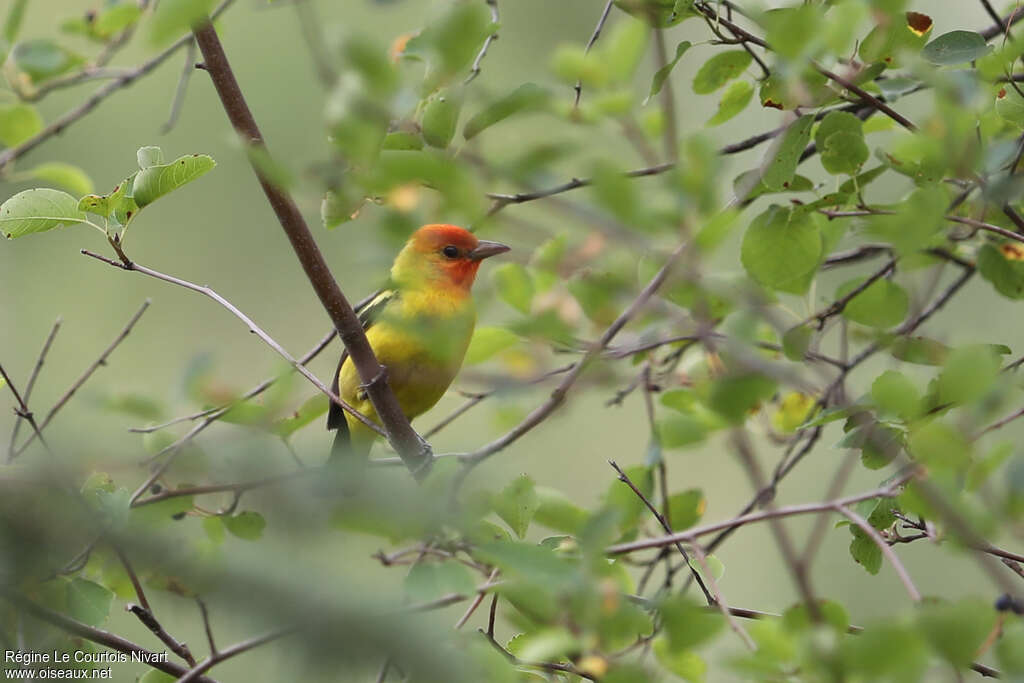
x: 840, y: 140
x: 88, y: 602
x: 686, y: 508
x: 792, y: 30
x: 514, y: 285
x: 118, y: 205
x: 894, y: 393
x: 157, y: 676
x: 214, y: 528
x: 155, y: 181
x: 781, y: 168
x: 431, y: 580
x: 734, y: 396
x: 686, y: 664
x: 67, y: 176
x: 623, y: 49
x: 18, y: 122
x: 796, y: 341
x: 1005, y: 274
x: 517, y: 504
x: 957, y: 629
x: 940, y: 445
x: 556, y: 511
x: 43, y: 59
x: 174, y: 18
x: 864, y: 551
x: 310, y: 410
x: 38, y: 210
x: 528, y: 97
x: 440, y: 117
x: 955, y: 47
x: 688, y: 624
x: 1010, y: 649
x: 781, y: 249
x: 968, y: 374
x: 679, y: 431
x: 115, y: 19
x: 736, y: 98
x: 149, y: 156
x: 919, y: 350
x: 1010, y: 106
x: 882, y: 304
x: 663, y: 73
x: 487, y: 342
x: 12, y: 24
x: 246, y: 525
x: 719, y: 70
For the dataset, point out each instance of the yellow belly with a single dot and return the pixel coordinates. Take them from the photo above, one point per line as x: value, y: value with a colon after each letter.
x: 421, y: 359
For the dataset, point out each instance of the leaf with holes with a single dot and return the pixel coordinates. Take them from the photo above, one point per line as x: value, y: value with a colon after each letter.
x: 155, y: 181
x: 38, y: 210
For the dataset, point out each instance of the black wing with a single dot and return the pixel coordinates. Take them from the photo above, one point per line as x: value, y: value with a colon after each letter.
x: 369, y: 313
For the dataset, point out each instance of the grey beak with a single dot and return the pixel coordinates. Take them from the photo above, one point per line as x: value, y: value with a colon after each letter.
x: 485, y: 249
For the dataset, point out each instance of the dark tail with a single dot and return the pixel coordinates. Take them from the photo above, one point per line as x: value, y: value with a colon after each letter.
x: 342, y: 445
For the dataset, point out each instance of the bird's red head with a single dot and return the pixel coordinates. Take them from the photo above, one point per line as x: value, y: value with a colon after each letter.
x: 444, y: 252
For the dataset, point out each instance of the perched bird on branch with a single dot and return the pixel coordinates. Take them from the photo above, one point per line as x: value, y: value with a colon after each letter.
x: 419, y: 327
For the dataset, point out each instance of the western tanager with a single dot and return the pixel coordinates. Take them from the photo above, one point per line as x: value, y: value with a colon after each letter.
x: 419, y: 327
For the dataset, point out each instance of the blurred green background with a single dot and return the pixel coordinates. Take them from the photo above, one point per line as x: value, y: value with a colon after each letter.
x: 221, y: 232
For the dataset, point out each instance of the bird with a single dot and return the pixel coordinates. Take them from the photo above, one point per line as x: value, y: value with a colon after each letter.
x: 419, y: 326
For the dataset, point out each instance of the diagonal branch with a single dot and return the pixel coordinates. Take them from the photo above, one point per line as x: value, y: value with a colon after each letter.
x: 414, y: 451
x: 32, y: 382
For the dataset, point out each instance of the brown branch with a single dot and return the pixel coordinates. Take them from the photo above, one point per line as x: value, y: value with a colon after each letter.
x: 414, y: 451
x: 40, y: 360
x: 149, y: 621
x: 206, y: 625
x: 99, y: 636
x: 99, y: 362
x: 196, y: 672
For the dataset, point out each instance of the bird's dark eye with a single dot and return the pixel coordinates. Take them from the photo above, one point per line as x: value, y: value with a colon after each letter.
x: 450, y: 251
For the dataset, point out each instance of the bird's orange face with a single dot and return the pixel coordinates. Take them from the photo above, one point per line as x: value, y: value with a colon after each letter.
x: 451, y: 254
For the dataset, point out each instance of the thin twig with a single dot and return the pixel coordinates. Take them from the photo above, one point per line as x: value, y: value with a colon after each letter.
x: 98, y: 363
x: 578, y: 88
x: 623, y: 477
x: 474, y: 71
x: 206, y: 625
x: 40, y: 360
x: 181, y: 89
x: 196, y: 672
x: 889, y: 491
